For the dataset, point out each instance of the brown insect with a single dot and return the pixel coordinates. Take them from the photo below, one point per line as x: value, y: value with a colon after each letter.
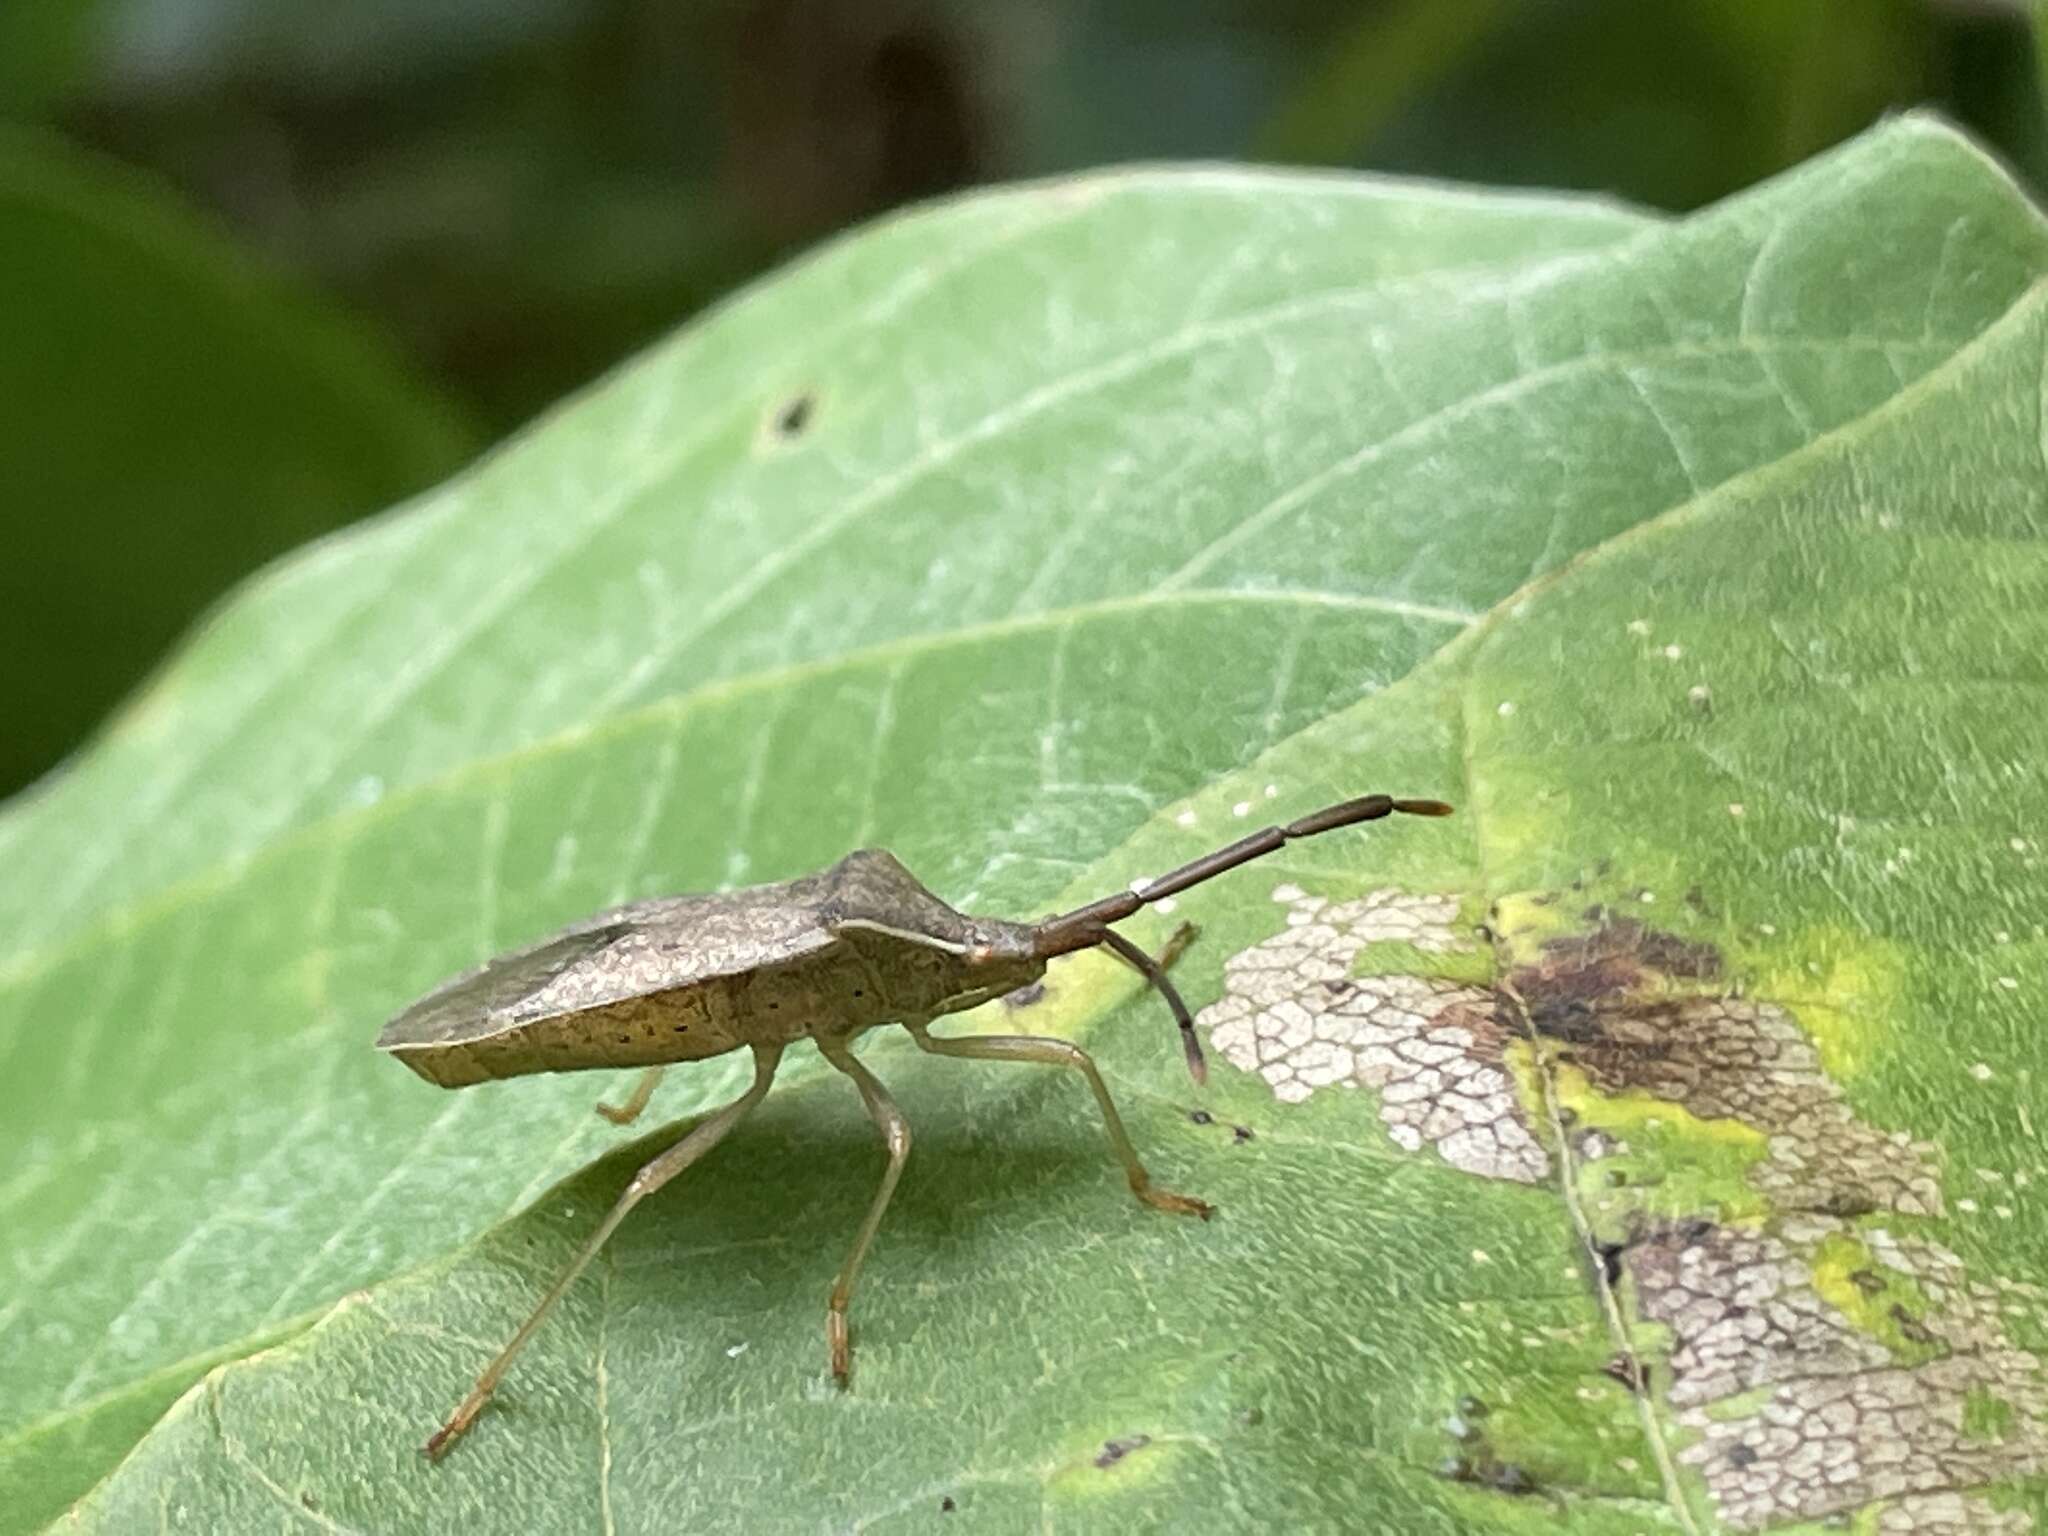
x: 823, y: 957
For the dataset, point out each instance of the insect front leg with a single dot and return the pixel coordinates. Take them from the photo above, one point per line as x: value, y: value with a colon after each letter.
x: 1062, y: 1053
x: 628, y: 1112
x: 703, y: 1136
x: 896, y: 1137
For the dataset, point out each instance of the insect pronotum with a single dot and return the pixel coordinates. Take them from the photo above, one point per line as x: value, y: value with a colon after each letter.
x: 823, y: 957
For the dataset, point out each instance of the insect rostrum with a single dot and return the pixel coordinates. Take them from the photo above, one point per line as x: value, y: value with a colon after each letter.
x: 823, y: 957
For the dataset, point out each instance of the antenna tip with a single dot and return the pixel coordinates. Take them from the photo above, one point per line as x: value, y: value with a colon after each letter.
x: 1422, y: 807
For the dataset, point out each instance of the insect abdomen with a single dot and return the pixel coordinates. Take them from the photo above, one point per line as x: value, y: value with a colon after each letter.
x: 684, y: 1025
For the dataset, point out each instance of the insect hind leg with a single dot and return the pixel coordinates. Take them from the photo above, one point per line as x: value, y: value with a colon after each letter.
x: 703, y: 1136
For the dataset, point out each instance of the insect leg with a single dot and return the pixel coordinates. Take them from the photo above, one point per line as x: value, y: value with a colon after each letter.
x: 1062, y: 1053
x: 896, y: 1136
x: 628, y: 1112
x: 703, y: 1136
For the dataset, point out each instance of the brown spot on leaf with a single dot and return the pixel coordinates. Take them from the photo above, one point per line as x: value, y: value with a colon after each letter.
x: 1605, y: 997
x: 1114, y: 1451
x: 1911, y: 1327
x: 1507, y: 1477
x: 1629, y: 1371
x: 793, y: 416
x: 1575, y: 976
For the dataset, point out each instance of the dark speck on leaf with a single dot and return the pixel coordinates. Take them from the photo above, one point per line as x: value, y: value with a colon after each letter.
x: 1114, y: 1451
x: 1911, y: 1326
x: 1740, y: 1455
x: 794, y: 415
x: 1241, y: 1134
x: 1201, y: 1117
x: 1509, y: 1478
x: 1608, y: 1256
x: 1848, y: 1204
x: 1629, y: 1371
x: 946, y: 1505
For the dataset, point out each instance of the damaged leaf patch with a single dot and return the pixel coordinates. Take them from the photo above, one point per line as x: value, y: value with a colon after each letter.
x: 1867, y: 1389
x: 1434, y: 1049
x: 1844, y: 1424
x: 1808, y: 1365
x: 1604, y: 999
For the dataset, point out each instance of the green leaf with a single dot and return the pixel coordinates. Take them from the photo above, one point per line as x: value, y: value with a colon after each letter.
x: 176, y: 417
x: 1123, y: 514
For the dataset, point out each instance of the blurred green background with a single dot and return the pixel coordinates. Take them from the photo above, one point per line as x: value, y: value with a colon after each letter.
x: 267, y: 266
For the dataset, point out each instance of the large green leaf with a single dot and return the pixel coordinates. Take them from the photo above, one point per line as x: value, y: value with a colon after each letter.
x: 1698, y: 561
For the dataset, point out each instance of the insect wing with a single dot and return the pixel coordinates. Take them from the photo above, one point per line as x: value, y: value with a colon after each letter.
x: 484, y: 1000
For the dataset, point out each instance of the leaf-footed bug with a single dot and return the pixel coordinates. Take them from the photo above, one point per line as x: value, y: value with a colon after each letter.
x: 823, y: 957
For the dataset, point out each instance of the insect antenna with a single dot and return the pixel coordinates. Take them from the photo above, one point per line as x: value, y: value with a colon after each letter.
x: 1086, y: 927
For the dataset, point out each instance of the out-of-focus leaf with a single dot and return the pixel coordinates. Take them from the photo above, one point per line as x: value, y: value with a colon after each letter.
x: 1382, y: 58
x: 173, y: 417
